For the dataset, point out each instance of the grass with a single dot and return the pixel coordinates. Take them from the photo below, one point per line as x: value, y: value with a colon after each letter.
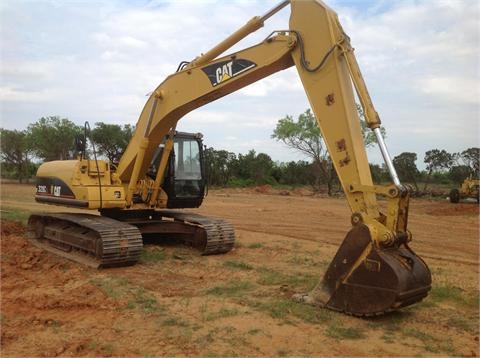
x: 232, y: 289
x: 389, y: 337
x: 238, y: 265
x: 152, y: 255
x: 463, y: 324
x: 302, y: 260
x: 447, y: 292
x: 113, y: 286
x: 222, y: 313
x: 175, y: 321
x: 118, y: 287
x: 285, y: 309
x: 300, y: 281
x: 144, y: 301
x: 398, y: 326
x: 337, y: 331
x: 431, y: 343
x: 14, y: 214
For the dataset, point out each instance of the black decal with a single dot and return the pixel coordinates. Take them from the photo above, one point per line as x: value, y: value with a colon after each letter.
x: 50, y: 186
x: 222, y: 71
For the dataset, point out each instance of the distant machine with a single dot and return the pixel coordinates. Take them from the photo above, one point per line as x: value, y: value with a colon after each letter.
x: 469, y: 189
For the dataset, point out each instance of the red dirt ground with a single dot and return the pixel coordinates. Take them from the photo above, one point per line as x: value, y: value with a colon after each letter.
x: 237, y: 304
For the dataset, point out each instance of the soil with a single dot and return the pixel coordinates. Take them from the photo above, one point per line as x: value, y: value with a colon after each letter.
x: 175, y: 302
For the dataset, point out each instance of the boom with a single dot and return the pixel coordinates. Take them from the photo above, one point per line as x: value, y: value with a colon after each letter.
x: 328, y: 88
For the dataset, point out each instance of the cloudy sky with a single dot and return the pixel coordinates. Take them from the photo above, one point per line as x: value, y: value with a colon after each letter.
x: 95, y: 60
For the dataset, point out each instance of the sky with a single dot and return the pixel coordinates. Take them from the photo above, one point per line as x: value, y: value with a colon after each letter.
x: 96, y: 61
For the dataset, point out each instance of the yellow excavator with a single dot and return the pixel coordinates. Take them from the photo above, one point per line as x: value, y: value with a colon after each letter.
x: 374, y: 270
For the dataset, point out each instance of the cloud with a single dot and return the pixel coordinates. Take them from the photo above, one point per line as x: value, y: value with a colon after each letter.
x: 458, y: 89
x: 8, y: 94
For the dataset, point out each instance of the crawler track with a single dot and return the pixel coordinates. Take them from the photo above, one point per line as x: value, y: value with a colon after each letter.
x: 115, y: 239
x: 90, y: 239
x: 218, y: 236
x: 206, y: 234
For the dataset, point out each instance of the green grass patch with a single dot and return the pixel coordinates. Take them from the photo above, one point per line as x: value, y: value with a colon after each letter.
x: 256, y: 245
x: 390, y: 322
x: 238, y: 265
x: 300, y: 281
x: 14, y: 214
x: 389, y: 337
x: 338, y: 331
x: 270, y: 277
x: 118, y: 287
x: 431, y: 343
x: 152, y: 255
x: 114, y: 286
x: 302, y: 260
x: 232, y: 289
x: 448, y: 292
x: 175, y: 322
x: 285, y: 309
x: 144, y: 301
x: 222, y: 313
x: 463, y: 324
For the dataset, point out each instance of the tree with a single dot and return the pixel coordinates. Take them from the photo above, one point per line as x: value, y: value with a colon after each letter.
x: 294, y: 173
x: 304, y: 136
x: 52, y: 138
x: 369, y: 137
x: 458, y: 173
x: 379, y: 173
x: 111, y: 140
x: 436, y: 160
x: 406, y: 168
x: 471, y: 158
x: 254, y: 167
x: 15, y: 152
x: 219, y: 166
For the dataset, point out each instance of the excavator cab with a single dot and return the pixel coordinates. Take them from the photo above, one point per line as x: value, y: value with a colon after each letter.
x: 184, y: 180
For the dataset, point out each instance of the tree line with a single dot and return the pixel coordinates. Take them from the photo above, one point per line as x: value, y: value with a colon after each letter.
x: 53, y: 138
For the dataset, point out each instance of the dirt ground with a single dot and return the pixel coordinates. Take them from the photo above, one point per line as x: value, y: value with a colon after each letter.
x: 175, y: 302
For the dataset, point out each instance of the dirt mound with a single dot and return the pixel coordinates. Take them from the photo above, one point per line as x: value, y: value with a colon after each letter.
x: 11, y: 227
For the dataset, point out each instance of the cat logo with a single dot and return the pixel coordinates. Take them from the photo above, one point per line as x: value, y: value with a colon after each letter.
x: 221, y: 72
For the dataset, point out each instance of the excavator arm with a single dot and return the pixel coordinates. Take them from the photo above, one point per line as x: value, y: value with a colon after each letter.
x: 374, y: 270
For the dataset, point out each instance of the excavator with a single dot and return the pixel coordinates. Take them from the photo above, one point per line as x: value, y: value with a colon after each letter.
x: 374, y: 270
